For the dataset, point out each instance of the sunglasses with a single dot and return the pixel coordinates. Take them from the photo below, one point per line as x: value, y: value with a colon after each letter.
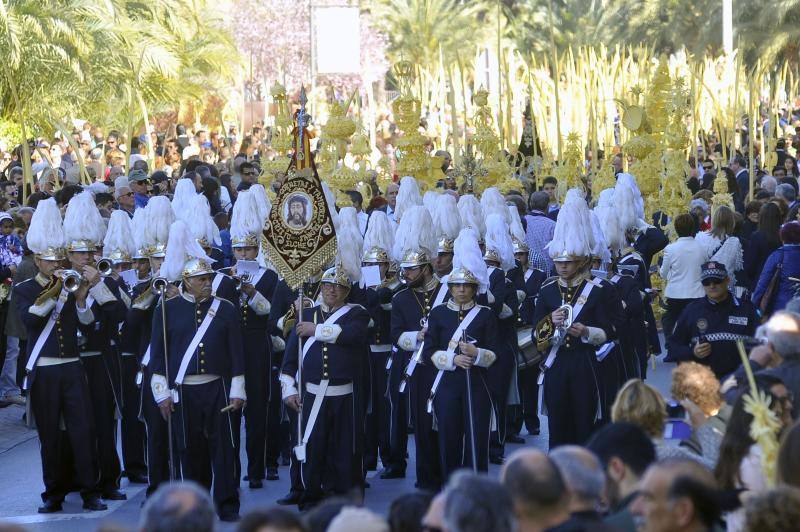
x: 249, y: 173
x: 126, y: 194
x: 711, y: 281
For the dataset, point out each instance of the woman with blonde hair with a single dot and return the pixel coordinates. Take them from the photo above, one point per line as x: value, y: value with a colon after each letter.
x: 641, y: 404
x: 720, y: 244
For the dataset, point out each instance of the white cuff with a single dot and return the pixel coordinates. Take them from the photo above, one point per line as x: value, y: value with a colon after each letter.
x: 144, y: 303
x: 443, y: 360
x: 278, y: 344
x: 505, y: 312
x: 594, y: 336
x: 371, y: 324
x: 485, y: 358
x: 259, y: 304
x: 44, y: 309
x: 158, y: 384
x: 521, y: 295
x: 85, y: 315
x: 280, y: 322
x: 489, y: 296
x: 327, y: 333
x: 408, y: 341
x: 237, y: 388
x: 102, y: 294
x: 288, y: 387
x: 386, y: 306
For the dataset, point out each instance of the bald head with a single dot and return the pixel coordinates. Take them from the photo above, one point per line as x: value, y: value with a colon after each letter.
x: 391, y: 194
x: 582, y: 472
x: 535, y: 484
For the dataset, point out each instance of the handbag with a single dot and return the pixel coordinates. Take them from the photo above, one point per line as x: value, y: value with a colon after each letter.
x: 768, y: 299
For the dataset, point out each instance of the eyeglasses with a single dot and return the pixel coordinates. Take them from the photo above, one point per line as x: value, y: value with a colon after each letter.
x: 126, y: 194
x: 712, y: 281
x: 250, y: 173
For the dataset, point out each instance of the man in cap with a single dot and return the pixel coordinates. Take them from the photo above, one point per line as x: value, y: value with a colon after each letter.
x: 205, y: 366
x: 333, y: 339
x: 708, y: 328
x: 139, y: 182
x: 56, y: 380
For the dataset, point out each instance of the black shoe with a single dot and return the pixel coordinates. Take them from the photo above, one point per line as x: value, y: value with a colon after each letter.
x: 137, y: 479
x: 256, y: 484
x: 389, y: 472
x: 272, y: 473
x: 229, y: 517
x: 114, y: 495
x: 50, y: 506
x: 289, y: 499
x: 94, y: 504
x: 534, y: 432
x: 246, y: 478
x: 285, y: 460
x: 497, y: 460
x: 515, y: 438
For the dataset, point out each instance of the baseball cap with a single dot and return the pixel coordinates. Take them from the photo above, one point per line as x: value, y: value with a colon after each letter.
x: 137, y: 175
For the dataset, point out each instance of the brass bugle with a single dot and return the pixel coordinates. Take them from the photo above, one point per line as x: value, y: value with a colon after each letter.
x: 159, y: 285
x: 72, y: 280
x: 239, y: 280
x: 105, y: 267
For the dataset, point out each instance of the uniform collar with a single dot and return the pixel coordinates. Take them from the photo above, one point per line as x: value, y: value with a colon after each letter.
x: 452, y: 305
x: 328, y: 310
x: 731, y: 299
x: 42, y: 280
x: 574, y: 282
x: 190, y: 298
x: 430, y: 285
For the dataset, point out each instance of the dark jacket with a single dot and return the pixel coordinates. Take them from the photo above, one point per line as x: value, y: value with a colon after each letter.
x: 789, y: 257
x: 756, y: 253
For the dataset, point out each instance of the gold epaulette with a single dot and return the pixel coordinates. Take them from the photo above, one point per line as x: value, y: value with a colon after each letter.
x: 144, y: 295
x: 544, y: 332
x: 50, y: 291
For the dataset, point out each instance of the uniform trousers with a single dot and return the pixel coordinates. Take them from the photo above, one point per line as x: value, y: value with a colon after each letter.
x: 398, y: 402
x: 452, y: 418
x: 571, y: 396
x: 611, y: 372
x: 134, y: 434
x: 277, y: 433
x: 62, y: 392
x: 205, y: 438
x: 333, y: 461
x: 426, y: 440
x: 499, y: 377
x: 376, y: 435
x: 157, y: 438
x: 295, y: 466
x: 527, y: 411
x: 257, y: 366
x: 104, y: 410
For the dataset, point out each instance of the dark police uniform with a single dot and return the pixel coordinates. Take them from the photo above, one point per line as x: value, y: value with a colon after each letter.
x: 58, y: 389
x: 450, y: 403
x: 720, y: 324
x: 133, y: 433
x: 410, y: 307
x: 204, y: 435
x: 377, y: 440
x: 254, y: 317
x: 332, y: 461
x: 100, y: 357
x: 571, y: 386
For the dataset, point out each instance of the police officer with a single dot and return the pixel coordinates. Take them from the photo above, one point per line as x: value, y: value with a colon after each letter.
x: 377, y: 244
x: 56, y: 380
x: 410, y: 372
x: 333, y: 335
x: 98, y: 344
x: 256, y: 289
x: 459, y: 342
x: 570, y: 382
x: 205, y: 366
x: 708, y: 328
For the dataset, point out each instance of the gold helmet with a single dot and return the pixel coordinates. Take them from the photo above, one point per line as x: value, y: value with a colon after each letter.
x: 445, y: 245
x: 336, y: 275
x: 462, y: 276
x: 520, y: 246
x: 375, y: 255
x: 250, y: 240
x: 195, y: 267
x: 412, y: 259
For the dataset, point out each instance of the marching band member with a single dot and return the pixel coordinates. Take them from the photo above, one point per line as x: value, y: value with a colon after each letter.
x: 572, y: 319
x: 118, y: 250
x: 414, y: 245
x: 333, y: 336
x: 83, y: 229
x: 56, y: 380
x: 151, y: 242
x: 256, y: 289
x: 378, y: 242
x: 459, y: 343
x: 205, y: 366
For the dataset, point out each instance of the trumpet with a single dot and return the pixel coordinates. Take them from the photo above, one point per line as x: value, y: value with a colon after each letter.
x: 105, y: 267
x: 159, y: 285
x: 560, y: 334
x: 239, y: 280
x: 72, y: 280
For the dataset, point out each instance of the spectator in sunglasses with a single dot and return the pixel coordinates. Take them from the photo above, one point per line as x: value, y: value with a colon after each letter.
x: 249, y: 173
x: 141, y: 187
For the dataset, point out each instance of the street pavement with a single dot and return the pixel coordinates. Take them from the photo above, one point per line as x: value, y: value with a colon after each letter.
x: 21, y: 480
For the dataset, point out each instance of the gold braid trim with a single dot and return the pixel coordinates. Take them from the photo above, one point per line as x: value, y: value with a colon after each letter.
x: 144, y: 295
x: 51, y: 291
x: 544, y: 332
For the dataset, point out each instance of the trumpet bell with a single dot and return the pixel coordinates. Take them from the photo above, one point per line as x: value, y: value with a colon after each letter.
x: 105, y: 267
x: 159, y: 285
x: 72, y: 280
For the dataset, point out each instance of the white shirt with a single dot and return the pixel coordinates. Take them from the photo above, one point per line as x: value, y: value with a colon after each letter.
x: 681, y: 268
x: 363, y: 218
x: 728, y: 252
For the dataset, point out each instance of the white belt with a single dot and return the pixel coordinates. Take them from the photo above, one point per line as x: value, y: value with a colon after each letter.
x: 87, y: 354
x: 199, y: 379
x: 128, y: 354
x: 54, y: 361
x: 330, y: 391
x: 381, y: 348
